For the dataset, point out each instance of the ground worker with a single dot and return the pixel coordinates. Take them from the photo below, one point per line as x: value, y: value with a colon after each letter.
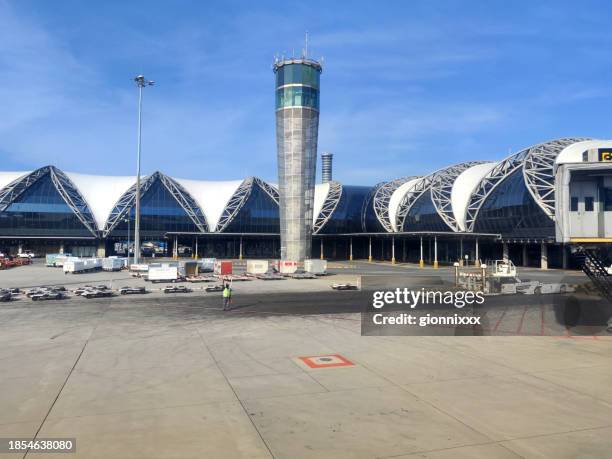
x: 227, y: 297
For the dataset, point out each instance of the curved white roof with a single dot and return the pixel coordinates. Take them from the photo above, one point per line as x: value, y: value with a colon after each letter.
x: 212, y: 197
x: 101, y: 192
x: 321, y: 192
x: 464, y: 186
x: 396, y: 199
x: 573, y: 152
x: 8, y: 177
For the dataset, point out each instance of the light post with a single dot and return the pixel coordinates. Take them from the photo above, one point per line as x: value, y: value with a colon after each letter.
x: 141, y: 82
x: 128, y: 239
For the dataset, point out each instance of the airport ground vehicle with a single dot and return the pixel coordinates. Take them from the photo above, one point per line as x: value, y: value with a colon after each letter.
x: 132, y: 290
x: 26, y: 254
x: 49, y: 295
x: 97, y: 293
x: 6, y: 295
x: 344, y: 287
x: 176, y: 289
x: 214, y: 288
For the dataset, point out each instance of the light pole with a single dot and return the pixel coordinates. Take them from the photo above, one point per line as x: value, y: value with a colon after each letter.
x: 128, y: 238
x: 141, y: 82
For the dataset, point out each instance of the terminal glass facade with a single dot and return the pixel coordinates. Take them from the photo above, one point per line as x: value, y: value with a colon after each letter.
x: 347, y: 216
x: 259, y: 214
x: 423, y: 216
x: 41, y: 211
x: 159, y: 213
x: 511, y: 211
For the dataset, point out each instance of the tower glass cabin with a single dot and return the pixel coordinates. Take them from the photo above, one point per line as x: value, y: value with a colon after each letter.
x: 297, y: 128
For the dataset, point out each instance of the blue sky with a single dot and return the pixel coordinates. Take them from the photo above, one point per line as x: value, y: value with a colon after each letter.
x: 407, y: 86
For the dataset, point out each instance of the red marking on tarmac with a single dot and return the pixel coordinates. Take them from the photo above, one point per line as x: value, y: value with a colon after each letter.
x: 326, y: 361
x: 500, y: 319
x: 520, y: 327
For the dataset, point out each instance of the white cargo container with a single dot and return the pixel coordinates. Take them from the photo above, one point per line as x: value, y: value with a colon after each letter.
x: 139, y: 268
x: 80, y: 265
x: 74, y: 266
x: 257, y: 266
x: 287, y: 267
x: 315, y: 266
x: 113, y: 263
x: 163, y: 272
x: 206, y: 265
x: 61, y: 259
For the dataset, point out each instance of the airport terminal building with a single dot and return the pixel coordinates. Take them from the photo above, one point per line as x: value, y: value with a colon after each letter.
x: 531, y: 207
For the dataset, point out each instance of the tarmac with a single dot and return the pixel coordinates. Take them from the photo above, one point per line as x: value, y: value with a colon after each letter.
x: 175, y: 377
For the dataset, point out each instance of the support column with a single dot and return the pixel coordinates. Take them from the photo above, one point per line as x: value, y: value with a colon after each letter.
x: 196, y: 254
x: 505, y: 251
x: 61, y: 248
x: 525, y: 260
x: 544, y: 257
x: 20, y: 248
x: 175, y: 255
x: 564, y: 257
x: 392, y: 250
x: 370, y: 249
x: 240, y: 253
x: 101, y: 250
x: 322, y: 257
x: 477, y: 255
x: 461, y: 252
x: 351, y: 249
x: 421, y: 261
x: 435, y: 263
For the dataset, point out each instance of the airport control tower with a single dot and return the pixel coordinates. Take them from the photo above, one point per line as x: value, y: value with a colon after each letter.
x: 297, y: 128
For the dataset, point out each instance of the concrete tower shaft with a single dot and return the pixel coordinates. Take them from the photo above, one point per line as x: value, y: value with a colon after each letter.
x: 297, y: 128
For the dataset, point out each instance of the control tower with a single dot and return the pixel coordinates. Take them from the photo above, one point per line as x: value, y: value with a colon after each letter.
x: 297, y: 129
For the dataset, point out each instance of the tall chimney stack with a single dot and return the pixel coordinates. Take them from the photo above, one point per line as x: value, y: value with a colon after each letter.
x: 326, y: 162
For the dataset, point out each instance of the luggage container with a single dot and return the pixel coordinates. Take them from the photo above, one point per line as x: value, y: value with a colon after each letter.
x: 239, y: 267
x: 50, y: 258
x: 313, y: 266
x: 163, y: 272
x: 206, y: 265
x: 113, y: 264
x: 139, y: 268
x: 223, y: 267
x: 61, y: 259
x: 257, y: 266
x: 287, y: 267
x: 189, y: 268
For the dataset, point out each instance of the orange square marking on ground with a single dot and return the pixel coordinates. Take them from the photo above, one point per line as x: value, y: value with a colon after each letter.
x: 326, y: 361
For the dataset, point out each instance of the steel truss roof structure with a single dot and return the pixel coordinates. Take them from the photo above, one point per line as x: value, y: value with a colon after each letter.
x: 126, y: 202
x: 537, y: 162
x: 382, y: 196
x: 441, y: 188
x: 239, y: 198
x: 64, y: 187
x: 329, y: 206
x: 417, y: 190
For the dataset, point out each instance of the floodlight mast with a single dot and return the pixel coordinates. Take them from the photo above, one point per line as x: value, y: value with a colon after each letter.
x: 141, y: 82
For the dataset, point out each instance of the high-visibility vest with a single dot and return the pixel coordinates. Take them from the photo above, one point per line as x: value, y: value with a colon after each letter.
x: 226, y: 292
